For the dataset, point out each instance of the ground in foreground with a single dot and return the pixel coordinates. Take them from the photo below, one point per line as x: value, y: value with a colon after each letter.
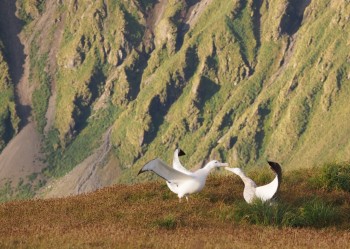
x: 150, y: 216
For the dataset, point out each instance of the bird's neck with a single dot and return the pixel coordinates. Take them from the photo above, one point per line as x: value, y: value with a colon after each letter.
x: 206, y: 169
x: 244, y: 178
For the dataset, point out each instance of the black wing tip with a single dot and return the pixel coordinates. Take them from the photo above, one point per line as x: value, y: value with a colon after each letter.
x: 181, y: 152
x: 141, y: 171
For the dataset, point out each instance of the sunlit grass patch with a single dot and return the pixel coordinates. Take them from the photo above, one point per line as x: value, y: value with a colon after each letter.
x: 334, y: 176
x: 226, y: 212
x: 311, y: 213
x: 261, y: 213
x: 167, y: 222
x: 315, y: 213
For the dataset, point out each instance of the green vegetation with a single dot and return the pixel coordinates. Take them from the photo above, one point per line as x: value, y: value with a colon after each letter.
x: 245, y: 83
x: 334, y: 176
x: 23, y: 190
x: 62, y: 160
x: 310, y: 213
x: 317, y: 213
x: 8, y: 117
x: 167, y: 222
x: 6, y: 192
x: 242, y: 27
x: 261, y: 213
x: 28, y: 10
x: 239, y: 81
x: 41, y: 79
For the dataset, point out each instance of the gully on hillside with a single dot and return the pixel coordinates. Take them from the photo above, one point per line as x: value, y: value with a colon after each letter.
x: 10, y: 27
x: 22, y: 156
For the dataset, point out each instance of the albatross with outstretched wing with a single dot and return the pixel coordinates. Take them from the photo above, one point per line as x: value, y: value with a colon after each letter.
x: 265, y: 192
x: 183, y: 184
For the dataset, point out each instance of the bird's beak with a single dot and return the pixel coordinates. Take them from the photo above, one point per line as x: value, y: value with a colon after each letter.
x: 234, y: 170
x: 223, y: 164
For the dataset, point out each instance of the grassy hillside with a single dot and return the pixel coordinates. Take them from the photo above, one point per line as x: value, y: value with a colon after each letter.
x: 308, y: 213
x: 241, y: 82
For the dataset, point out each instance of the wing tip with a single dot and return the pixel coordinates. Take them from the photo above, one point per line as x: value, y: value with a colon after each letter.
x: 143, y: 167
x: 141, y: 171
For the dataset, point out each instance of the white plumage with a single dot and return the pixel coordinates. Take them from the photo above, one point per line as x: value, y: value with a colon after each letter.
x: 176, y: 161
x: 252, y: 191
x: 177, y: 166
x: 180, y: 180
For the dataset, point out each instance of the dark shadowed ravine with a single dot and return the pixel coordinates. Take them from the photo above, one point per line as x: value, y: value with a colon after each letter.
x: 10, y: 27
x: 27, y: 143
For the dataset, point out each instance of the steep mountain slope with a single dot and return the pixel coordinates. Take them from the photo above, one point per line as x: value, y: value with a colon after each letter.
x: 240, y: 81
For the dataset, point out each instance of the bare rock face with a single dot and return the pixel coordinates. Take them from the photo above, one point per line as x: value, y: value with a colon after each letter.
x: 22, y: 157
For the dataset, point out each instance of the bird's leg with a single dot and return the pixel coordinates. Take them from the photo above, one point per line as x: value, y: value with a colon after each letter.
x: 179, y: 199
x: 187, y: 198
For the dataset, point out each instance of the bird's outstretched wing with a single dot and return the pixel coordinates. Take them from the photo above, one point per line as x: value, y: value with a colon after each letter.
x: 177, y: 164
x: 163, y: 170
x: 267, y: 191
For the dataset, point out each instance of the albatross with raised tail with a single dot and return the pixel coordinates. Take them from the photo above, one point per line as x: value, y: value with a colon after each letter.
x: 180, y: 180
x: 265, y: 192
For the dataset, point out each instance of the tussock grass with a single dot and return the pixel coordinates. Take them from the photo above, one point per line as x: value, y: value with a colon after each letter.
x: 312, y: 213
x: 334, y: 176
x: 168, y: 222
x: 261, y: 213
x: 149, y: 215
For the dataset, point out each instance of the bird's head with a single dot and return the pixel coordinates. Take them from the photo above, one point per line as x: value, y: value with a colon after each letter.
x: 179, y: 152
x: 237, y: 171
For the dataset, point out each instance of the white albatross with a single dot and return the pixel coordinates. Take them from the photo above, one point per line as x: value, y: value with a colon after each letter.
x: 252, y: 191
x: 180, y: 180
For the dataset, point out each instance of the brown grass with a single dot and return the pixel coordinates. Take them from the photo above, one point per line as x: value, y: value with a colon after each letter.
x: 150, y: 216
